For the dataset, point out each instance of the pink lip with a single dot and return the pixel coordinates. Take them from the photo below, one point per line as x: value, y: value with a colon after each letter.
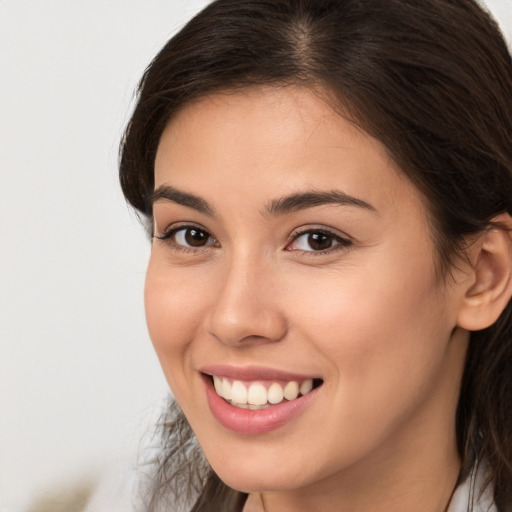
x: 252, y: 373
x: 259, y: 421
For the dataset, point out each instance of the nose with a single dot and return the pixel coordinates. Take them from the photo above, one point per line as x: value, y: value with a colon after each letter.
x: 247, y: 309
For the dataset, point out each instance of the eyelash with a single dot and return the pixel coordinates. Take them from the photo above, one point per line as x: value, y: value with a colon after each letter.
x: 342, y: 243
x: 168, y: 234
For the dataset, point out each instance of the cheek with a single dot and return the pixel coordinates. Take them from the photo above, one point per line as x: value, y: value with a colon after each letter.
x: 385, y: 343
x: 384, y: 332
x: 173, y: 311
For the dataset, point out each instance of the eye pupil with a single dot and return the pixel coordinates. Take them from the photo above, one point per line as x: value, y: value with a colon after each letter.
x: 196, y: 237
x: 319, y: 241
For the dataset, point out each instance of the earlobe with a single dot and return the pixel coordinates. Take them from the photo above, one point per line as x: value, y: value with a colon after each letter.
x: 491, y: 287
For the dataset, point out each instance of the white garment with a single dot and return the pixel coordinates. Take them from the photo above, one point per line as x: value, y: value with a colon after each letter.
x: 466, y: 497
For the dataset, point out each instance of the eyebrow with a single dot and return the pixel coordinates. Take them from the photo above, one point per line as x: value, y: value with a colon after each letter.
x: 301, y: 201
x: 169, y: 193
x: 276, y: 207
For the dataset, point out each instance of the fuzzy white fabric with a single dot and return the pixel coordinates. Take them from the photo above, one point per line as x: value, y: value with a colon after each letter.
x: 469, y: 498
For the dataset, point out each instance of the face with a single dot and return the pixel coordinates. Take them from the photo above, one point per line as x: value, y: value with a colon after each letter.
x: 292, y: 269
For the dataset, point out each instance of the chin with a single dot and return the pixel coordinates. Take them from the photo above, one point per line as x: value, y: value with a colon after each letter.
x: 248, y: 476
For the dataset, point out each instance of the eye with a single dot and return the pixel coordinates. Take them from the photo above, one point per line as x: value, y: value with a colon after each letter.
x: 317, y: 241
x: 188, y: 237
x: 192, y: 237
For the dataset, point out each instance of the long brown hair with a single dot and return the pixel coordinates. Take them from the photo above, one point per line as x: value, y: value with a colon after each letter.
x: 432, y: 80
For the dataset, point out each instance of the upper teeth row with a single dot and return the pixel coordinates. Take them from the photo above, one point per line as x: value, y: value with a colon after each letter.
x: 258, y: 394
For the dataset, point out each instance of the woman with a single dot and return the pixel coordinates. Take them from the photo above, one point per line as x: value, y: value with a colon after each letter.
x: 328, y: 187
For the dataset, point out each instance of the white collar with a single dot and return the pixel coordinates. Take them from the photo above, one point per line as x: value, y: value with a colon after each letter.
x: 466, y: 497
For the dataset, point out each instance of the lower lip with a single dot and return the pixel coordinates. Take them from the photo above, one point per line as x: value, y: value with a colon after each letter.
x: 255, y: 421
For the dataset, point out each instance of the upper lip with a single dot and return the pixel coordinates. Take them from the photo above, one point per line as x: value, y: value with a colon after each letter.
x: 253, y: 372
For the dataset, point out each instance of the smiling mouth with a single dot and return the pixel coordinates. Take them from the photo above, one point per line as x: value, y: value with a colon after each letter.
x: 261, y: 394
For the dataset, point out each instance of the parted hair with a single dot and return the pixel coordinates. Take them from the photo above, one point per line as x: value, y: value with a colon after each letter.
x: 430, y: 79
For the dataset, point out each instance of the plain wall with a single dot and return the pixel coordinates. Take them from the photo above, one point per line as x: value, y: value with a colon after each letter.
x: 78, y: 377
x: 77, y: 371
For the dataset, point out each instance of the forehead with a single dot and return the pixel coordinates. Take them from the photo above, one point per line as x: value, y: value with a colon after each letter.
x: 275, y: 140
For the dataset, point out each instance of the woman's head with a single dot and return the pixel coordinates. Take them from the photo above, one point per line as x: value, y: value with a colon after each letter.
x: 399, y: 69
x: 428, y: 85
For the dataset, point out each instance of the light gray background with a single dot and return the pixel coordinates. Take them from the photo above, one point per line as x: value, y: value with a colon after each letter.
x: 78, y: 377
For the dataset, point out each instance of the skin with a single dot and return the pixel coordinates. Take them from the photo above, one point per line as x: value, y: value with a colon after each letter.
x: 369, y: 315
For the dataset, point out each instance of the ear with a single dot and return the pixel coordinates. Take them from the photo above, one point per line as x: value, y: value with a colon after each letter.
x: 490, y: 287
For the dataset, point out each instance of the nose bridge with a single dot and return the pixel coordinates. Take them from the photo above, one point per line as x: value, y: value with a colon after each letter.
x: 246, y: 309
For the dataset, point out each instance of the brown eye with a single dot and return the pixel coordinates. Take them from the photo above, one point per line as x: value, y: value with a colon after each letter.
x: 194, y: 237
x: 188, y: 237
x: 317, y: 241
x: 320, y: 241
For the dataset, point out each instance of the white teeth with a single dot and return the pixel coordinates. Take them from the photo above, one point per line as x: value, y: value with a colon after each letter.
x: 306, y: 387
x: 291, y: 390
x: 250, y: 406
x: 275, y: 393
x: 217, y: 382
x: 226, y: 389
x: 257, y: 396
x: 238, y: 392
